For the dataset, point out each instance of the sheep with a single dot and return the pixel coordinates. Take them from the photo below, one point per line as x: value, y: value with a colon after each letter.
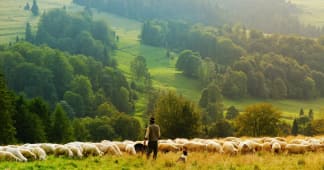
x: 275, y: 147
x: 195, y: 147
x: 167, y: 147
x: 77, y: 153
x: 121, y: 146
x: 297, y: 148
x: 90, y: 149
x: 245, y: 147
x: 48, y: 148
x: 61, y: 150
x: 181, y: 141
x: 8, y: 156
x: 214, y: 147
x: 228, y: 148
x: 256, y: 146
x: 108, y: 148
x: 266, y: 146
x: 27, y: 153
x: 130, y: 149
x: 16, y: 152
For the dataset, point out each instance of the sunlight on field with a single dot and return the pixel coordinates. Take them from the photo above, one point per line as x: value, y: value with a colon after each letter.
x: 313, y: 11
x: 13, y: 17
x: 168, y: 161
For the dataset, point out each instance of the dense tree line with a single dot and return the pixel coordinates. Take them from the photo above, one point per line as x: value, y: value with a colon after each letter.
x: 83, y: 82
x: 244, y: 62
x: 270, y: 16
x: 76, y: 34
x: 34, y: 120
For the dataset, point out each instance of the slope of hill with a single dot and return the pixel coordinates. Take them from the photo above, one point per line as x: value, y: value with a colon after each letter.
x: 165, y: 75
x: 313, y: 11
x: 13, y: 17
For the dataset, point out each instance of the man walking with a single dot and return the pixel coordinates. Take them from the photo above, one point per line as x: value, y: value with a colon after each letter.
x: 152, y: 135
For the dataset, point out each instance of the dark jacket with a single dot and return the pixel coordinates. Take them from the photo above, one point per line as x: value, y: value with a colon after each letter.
x: 153, y: 132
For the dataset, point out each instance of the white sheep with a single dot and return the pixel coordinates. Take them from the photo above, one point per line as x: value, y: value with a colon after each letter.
x: 61, y: 150
x: 167, y: 147
x: 228, y: 148
x: 275, y: 147
x: 214, y: 147
x: 16, y: 152
x: 245, y: 147
x: 297, y: 148
x: 8, y: 156
x: 130, y: 149
x: 90, y: 149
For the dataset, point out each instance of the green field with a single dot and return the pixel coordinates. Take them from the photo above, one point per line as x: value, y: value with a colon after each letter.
x: 264, y: 161
x: 313, y: 11
x: 13, y: 17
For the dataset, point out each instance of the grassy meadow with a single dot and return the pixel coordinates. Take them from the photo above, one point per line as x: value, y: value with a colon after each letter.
x: 313, y: 11
x: 263, y: 160
x: 165, y: 75
x: 13, y: 17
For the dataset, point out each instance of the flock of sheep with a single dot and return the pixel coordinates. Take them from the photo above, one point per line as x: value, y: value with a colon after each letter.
x: 229, y: 145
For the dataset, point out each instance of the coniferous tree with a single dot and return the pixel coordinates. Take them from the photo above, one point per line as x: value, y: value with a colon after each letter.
x: 232, y: 113
x: 29, y: 126
x: 7, y: 129
x: 311, y: 114
x: 294, y: 130
x: 28, y: 33
x: 301, y: 112
x: 34, y: 8
x: 62, y: 130
x: 27, y: 7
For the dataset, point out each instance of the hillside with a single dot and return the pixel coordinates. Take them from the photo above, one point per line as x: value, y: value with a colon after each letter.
x: 313, y: 11
x: 13, y: 17
x: 165, y: 75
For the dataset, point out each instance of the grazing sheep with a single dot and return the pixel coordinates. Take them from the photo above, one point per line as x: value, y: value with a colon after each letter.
x: 61, y: 150
x: 90, y: 149
x: 77, y: 153
x: 48, y: 148
x: 266, y: 146
x: 8, y: 156
x: 108, y: 148
x: 256, y: 146
x: 130, y: 149
x: 16, y: 152
x: 228, y: 148
x: 214, y: 147
x: 121, y: 146
x: 297, y: 148
x: 181, y: 141
x: 167, y: 147
x: 245, y: 147
x: 275, y: 147
x: 195, y: 147
x: 27, y: 153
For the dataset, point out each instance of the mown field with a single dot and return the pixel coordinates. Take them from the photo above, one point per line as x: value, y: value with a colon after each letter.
x: 313, y: 11
x: 259, y: 161
x: 13, y: 17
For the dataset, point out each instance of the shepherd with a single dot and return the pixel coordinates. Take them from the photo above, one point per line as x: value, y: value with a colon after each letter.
x: 152, y: 135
